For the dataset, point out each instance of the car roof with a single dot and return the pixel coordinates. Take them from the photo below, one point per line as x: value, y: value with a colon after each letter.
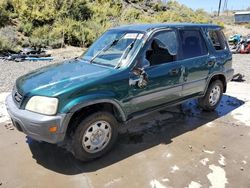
x: 148, y: 27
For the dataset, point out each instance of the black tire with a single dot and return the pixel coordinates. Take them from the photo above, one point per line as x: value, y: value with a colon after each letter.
x: 205, y: 102
x: 79, y: 151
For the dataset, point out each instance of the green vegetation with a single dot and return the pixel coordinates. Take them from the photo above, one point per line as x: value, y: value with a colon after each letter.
x: 57, y: 23
x: 4, y: 44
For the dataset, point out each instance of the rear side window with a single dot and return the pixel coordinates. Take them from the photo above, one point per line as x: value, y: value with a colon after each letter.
x: 217, y: 39
x: 192, y: 43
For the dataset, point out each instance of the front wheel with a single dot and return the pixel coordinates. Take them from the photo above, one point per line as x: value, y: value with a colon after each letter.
x: 95, y: 136
x: 212, y: 97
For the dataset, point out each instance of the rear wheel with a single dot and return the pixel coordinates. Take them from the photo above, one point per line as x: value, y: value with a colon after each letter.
x: 94, y: 136
x: 212, y: 97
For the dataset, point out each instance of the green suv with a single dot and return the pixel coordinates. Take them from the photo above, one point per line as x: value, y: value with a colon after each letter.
x: 129, y: 71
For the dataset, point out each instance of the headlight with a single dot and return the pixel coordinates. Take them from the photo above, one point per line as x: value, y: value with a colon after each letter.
x: 43, y: 105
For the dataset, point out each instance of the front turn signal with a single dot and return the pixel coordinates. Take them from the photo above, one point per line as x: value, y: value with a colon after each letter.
x: 53, y: 129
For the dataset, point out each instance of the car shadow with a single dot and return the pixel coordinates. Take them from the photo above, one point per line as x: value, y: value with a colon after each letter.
x: 139, y: 135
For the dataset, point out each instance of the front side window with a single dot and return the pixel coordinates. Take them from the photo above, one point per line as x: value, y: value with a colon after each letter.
x: 192, y: 44
x: 113, y: 48
x: 162, y: 48
x: 217, y: 40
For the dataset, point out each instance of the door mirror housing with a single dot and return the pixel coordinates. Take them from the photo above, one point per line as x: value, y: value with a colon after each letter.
x: 141, y: 80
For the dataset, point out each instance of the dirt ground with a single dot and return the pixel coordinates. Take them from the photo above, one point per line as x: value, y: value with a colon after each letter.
x: 175, y: 147
x: 233, y: 29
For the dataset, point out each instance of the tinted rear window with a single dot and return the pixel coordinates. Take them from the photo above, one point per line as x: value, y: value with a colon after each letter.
x: 217, y: 39
x: 192, y: 43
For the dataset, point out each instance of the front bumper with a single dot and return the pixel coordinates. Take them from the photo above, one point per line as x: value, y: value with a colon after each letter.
x: 37, y: 125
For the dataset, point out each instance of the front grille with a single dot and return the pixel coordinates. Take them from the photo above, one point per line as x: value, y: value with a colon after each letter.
x: 18, y: 97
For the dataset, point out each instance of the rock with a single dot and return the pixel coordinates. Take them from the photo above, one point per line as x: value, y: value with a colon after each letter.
x: 1, y: 183
x: 241, y: 168
x: 244, y: 162
x: 224, y: 147
x: 191, y: 148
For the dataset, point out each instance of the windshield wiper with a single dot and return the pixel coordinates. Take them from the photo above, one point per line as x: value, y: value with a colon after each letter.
x: 107, y: 47
x: 127, y: 50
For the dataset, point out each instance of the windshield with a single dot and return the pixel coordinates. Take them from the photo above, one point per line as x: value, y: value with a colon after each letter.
x: 114, y: 48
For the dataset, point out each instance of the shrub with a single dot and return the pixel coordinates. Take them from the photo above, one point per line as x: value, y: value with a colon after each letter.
x: 42, y: 12
x: 159, y: 7
x: 26, y: 28
x: 130, y: 15
x: 77, y: 10
x: 40, y: 36
x: 6, y: 45
x: 4, y: 15
x: 9, y: 38
x: 57, y: 23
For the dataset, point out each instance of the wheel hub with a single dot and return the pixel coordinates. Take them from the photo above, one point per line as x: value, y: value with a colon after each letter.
x: 214, y: 95
x: 96, y: 137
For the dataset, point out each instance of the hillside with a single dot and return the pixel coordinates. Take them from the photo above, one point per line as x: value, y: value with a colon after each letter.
x: 230, y: 28
x: 56, y: 23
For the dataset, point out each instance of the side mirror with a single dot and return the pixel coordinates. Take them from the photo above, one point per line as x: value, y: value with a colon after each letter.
x: 142, y: 78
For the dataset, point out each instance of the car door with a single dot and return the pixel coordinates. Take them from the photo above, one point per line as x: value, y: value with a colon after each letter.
x: 195, y: 60
x: 161, y: 69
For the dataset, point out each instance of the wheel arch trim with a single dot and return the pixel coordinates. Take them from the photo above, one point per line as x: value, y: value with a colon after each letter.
x: 212, y: 76
x: 81, y: 105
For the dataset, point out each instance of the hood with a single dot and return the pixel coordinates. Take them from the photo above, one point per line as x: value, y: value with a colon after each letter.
x: 53, y: 79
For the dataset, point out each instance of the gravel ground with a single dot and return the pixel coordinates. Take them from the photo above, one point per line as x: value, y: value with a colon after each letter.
x: 11, y: 70
x: 241, y: 64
